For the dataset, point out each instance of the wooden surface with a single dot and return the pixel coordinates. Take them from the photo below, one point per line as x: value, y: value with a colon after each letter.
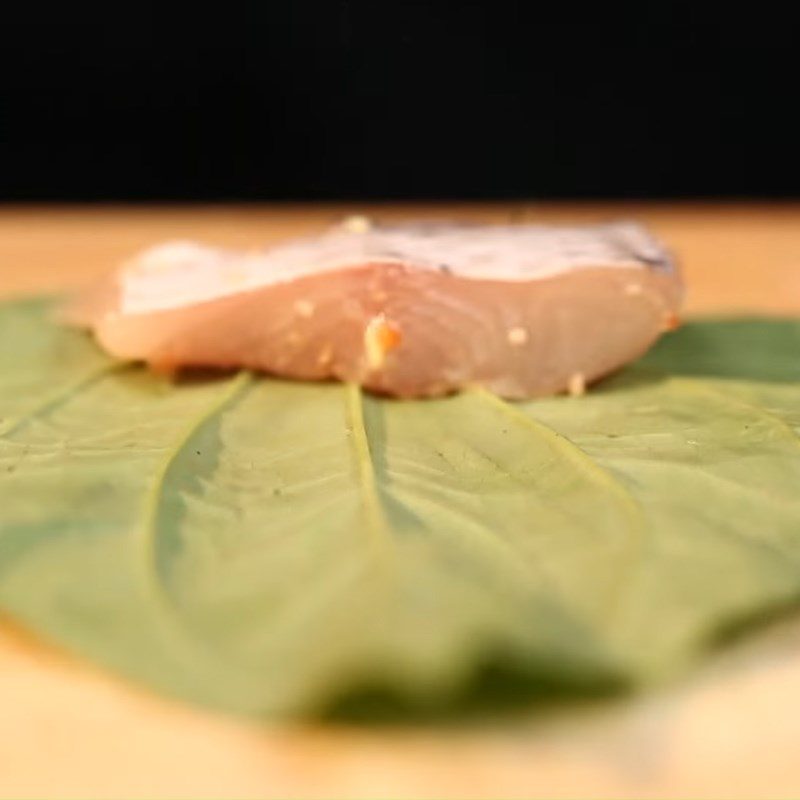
x: 731, y: 729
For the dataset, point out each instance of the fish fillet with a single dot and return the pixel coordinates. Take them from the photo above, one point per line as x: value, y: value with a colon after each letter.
x: 409, y: 310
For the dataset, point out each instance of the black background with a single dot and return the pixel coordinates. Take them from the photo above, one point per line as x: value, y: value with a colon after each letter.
x: 359, y: 100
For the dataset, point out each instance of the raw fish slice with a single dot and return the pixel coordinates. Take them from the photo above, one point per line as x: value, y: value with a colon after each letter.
x: 409, y: 310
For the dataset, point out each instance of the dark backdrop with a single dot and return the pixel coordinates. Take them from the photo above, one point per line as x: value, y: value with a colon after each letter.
x: 384, y: 99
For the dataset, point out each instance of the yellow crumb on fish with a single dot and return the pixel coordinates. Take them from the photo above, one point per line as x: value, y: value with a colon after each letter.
x: 357, y: 223
x: 517, y: 336
x: 325, y: 356
x: 633, y: 289
x: 304, y: 308
x: 577, y: 384
x: 380, y: 337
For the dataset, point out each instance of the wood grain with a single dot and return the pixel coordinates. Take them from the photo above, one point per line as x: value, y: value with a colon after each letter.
x: 68, y: 730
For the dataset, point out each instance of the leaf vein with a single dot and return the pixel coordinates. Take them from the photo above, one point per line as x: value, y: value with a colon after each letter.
x: 371, y: 499
x: 61, y: 396
x: 637, y: 525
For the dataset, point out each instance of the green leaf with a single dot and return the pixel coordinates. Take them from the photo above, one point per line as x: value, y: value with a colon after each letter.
x: 268, y: 547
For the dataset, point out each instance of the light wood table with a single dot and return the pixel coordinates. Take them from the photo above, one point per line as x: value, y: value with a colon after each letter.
x: 732, y: 729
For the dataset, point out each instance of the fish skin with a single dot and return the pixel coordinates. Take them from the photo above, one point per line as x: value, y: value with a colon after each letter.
x: 409, y: 311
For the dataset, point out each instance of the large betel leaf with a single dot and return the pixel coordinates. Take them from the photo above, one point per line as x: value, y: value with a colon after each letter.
x: 267, y: 547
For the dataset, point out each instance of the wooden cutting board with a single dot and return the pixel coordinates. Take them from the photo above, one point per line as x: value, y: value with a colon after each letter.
x: 731, y: 729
